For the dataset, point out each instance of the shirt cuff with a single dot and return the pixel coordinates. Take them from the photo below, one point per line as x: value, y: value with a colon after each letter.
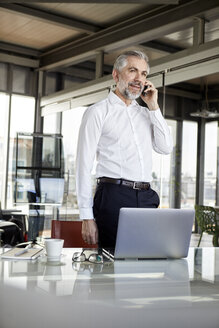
x: 156, y: 115
x: 86, y: 213
x: 155, y: 112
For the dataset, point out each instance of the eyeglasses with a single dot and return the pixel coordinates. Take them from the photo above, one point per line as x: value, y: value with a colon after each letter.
x: 93, y: 257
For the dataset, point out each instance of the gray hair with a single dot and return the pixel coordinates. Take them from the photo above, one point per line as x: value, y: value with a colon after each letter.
x: 121, y: 60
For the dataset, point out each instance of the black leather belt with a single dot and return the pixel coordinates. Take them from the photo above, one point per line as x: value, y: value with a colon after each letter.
x: 127, y: 183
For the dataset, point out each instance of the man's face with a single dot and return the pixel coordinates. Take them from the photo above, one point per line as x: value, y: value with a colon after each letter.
x: 131, y: 79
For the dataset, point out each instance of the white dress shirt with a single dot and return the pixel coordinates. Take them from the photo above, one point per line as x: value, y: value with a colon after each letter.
x: 121, y: 138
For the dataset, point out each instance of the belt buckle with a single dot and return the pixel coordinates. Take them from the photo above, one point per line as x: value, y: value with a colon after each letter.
x: 134, y: 186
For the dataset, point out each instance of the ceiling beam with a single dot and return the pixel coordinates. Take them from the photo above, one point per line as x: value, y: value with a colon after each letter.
x: 209, y: 50
x: 16, y: 49
x: 20, y: 61
x: 202, y: 61
x: 92, y: 66
x: 140, y: 29
x: 84, y: 70
x: 67, y: 22
x: 161, y: 47
x: 78, y: 90
x: 78, y: 72
x: 181, y: 93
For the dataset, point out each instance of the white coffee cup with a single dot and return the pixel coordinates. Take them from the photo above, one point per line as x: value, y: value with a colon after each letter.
x: 53, y: 249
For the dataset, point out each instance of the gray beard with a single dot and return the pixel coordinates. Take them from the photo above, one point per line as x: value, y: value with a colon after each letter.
x: 126, y: 93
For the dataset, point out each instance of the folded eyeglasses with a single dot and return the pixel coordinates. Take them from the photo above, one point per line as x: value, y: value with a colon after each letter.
x: 93, y: 257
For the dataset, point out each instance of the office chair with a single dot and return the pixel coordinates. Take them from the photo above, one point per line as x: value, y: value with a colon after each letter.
x: 11, y: 229
x: 70, y: 231
x: 206, y: 217
x: 11, y: 233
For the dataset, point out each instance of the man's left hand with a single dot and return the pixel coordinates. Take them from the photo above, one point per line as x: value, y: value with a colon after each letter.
x: 151, y: 96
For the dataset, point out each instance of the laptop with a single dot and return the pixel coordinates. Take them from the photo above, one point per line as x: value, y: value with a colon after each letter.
x: 149, y: 233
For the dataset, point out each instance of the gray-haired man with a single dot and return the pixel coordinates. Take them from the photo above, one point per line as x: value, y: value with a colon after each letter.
x: 121, y: 135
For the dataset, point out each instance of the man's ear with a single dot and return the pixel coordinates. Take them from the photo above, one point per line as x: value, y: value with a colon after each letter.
x: 115, y: 75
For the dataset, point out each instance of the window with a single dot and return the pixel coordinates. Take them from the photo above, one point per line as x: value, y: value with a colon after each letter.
x: 39, y: 169
x: 4, y: 101
x: 189, y: 162
x: 71, y: 121
x: 22, y: 120
x: 51, y: 123
x: 161, y: 170
x: 210, y: 163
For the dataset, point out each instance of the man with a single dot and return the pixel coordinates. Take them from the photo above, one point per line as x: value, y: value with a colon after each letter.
x: 121, y: 135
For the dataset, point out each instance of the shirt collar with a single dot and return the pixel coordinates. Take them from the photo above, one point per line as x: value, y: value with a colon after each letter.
x: 114, y: 99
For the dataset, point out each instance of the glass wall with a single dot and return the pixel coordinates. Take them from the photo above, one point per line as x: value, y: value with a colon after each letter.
x: 17, y: 114
x: 50, y: 123
x: 211, y: 131
x: 161, y: 170
x: 4, y: 101
x: 71, y: 121
x: 189, y: 162
x: 22, y: 120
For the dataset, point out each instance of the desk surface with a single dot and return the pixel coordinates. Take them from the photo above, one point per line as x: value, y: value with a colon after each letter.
x: 151, y: 293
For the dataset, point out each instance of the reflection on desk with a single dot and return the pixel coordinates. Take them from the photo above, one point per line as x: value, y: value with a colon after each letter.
x: 159, y: 293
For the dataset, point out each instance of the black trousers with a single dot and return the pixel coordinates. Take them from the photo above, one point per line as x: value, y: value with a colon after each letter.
x: 108, y: 200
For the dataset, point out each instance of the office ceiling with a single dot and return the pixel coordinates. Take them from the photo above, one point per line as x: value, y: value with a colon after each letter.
x: 68, y: 36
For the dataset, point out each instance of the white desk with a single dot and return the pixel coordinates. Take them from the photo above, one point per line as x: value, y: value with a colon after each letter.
x: 152, y: 294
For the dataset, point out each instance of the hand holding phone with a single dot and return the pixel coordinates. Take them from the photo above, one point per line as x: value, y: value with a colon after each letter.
x: 144, y: 91
x: 149, y: 95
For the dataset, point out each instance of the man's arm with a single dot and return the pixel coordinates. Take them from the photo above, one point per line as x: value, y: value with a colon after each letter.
x: 88, y: 139
x: 162, y: 139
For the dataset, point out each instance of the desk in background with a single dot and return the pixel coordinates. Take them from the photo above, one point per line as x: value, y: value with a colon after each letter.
x: 152, y: 293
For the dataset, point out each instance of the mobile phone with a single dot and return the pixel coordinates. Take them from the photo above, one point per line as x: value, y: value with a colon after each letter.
x: 144, y: 90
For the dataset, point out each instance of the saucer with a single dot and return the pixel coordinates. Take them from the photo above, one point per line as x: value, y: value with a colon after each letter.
x: 53, y: 258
